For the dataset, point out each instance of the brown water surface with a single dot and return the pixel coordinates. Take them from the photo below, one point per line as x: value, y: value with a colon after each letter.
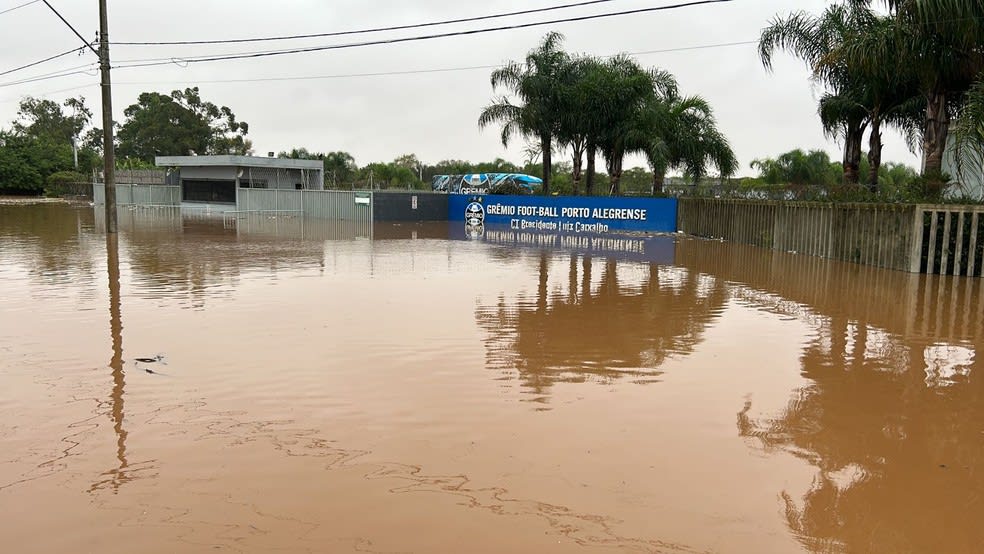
x: 329, y: 388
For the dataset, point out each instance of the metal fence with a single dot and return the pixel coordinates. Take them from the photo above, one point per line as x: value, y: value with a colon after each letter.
x: 952, y: 239
x: 945, y: 239
x: 139, y: 195
x: 321, y: 204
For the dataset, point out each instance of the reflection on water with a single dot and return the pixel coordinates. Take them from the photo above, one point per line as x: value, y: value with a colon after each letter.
x: 608, y: 326
x: 332, y: 373
x: 892, y: 408
x: 118, y: 475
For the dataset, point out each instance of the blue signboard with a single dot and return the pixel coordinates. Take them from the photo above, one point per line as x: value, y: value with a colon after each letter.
x: 565, y: 214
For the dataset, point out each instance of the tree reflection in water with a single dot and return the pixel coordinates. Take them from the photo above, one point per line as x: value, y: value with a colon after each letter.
x: 610, y: 329
x: 892, y: 415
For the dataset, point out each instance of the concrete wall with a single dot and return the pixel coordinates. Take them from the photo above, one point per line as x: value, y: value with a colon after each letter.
x: 409, y: 206
x: 209, y: 173
x: 967, y: 177
x: 908, y: 237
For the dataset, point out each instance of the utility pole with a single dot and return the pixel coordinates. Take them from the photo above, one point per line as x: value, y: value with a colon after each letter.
x: 109, y: 149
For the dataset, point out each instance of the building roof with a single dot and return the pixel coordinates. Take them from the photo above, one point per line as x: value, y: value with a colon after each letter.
x: 236, y: 161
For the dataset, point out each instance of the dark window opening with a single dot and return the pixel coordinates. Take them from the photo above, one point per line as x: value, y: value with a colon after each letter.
x: 209, y: 191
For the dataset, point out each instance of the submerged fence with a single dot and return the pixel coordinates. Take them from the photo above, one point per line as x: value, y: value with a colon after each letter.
x: 337, y: 205
x: 139, y: 195
x: 952, y: 238
x: 908, y: 237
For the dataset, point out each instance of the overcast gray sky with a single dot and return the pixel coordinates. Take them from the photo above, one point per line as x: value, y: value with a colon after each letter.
x: 377, y: 118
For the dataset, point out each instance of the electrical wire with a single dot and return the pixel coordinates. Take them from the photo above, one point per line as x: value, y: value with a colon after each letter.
x: 371, y: 30
x: 418, y: 71
x: 65, y: 21
x: 69, y: 71
x: 268, y: 53
x: 24, y: 5
x: 39, y: 62
x: 150, y: 62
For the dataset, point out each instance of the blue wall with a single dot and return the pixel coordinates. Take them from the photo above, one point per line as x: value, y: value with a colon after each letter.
x: 565, y: 214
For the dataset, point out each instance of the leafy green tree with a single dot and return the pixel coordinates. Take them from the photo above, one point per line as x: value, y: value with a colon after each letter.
x: 535, y: 84
x: 449, y: 167
x: 497, y: 165
x: 388, y: 175
x: 339, y: 167
x: 180, y: 123
x: 45, y: 119
x: 797, y: 167
x: 16, y: 172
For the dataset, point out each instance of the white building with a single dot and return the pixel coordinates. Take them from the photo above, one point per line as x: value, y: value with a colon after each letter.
x: 217, y: 179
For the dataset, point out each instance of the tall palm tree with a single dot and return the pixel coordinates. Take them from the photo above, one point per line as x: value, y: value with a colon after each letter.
x: 627, y: 91
x: 536, y: 84
x: 582, y: 83
x: 815, y: 39
x: 938, y: 43
x: 682, y: 133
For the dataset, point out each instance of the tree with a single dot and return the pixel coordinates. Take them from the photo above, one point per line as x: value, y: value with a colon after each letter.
x: 535, y: 84
x: 938, y: 42
x: 683, y: 135
x: 25, y: 162
x: 815, y: 39
x: 17, y: 174
x: 797, y: 168
x: 180, y: 124
x: 580, y: 84
x: 626, y: 91
x: 340, y: 167
x: 44, y: 119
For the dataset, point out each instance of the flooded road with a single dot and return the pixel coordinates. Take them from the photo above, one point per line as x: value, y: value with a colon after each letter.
x: 317, y: 387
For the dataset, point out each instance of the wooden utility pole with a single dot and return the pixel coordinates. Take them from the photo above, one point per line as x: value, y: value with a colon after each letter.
x: 109, y: 149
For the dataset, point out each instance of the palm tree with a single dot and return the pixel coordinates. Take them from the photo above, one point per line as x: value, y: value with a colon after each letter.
x: 627, y: 90
x: 683, y: 134
x: 582, y: 82
x: 816, y: 40
x: 536, y: 84
x: 938, y: 43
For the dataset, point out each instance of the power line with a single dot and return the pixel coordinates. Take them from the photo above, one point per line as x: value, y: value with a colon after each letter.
x: 420, y: 71
x: 205, y: 58
x: 47, y: 77
x: 25, y: 4
x: 70, y: 70
x: 371, y: 30
x: 267, y: 53
x: 65, y: 21
x: 39, y: 62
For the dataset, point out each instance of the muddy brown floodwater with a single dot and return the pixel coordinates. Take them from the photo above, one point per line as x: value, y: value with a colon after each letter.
x: 326, y: 388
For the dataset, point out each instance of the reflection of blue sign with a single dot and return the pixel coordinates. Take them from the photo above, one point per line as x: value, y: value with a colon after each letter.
x: 568, y: 214
x: 648, y: 249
